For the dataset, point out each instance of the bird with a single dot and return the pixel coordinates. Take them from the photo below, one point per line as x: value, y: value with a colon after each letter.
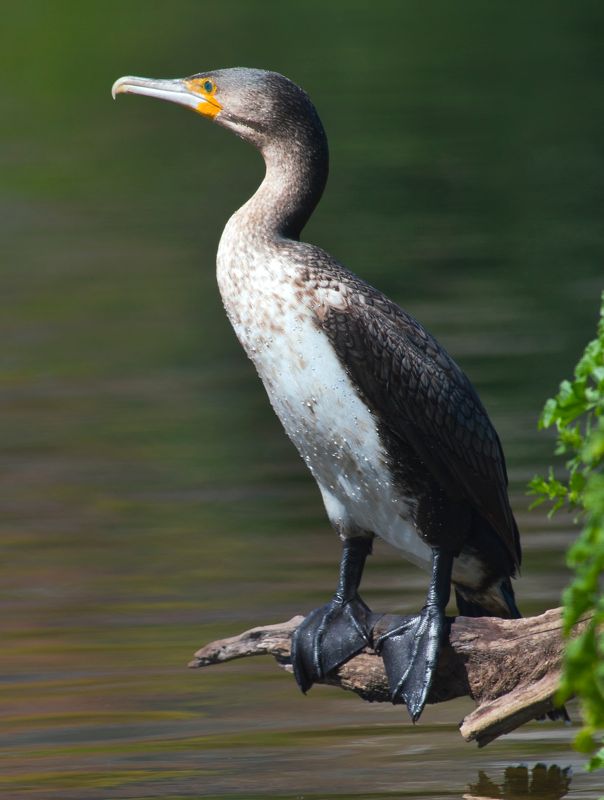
x: 390, y: 427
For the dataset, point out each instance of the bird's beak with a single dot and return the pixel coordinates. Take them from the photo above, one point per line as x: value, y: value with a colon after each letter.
x: 186, y: 92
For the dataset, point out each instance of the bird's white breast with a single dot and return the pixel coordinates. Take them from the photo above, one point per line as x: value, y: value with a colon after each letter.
x: 275, y: 318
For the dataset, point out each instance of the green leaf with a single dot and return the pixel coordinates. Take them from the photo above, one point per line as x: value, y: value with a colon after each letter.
x: 578, y: 414
x: 584, y: 741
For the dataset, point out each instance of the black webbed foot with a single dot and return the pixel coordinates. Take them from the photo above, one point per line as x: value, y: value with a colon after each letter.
x: 410, y: 653
x: 332, y: 634
x: 410, y: 650
x: 328, y: 637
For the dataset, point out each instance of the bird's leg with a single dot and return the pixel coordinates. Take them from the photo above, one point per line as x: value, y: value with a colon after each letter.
x: 332, y: 634
x: 410, y: 650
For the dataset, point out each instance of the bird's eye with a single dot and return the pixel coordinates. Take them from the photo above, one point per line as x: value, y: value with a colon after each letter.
x: 208, y: 86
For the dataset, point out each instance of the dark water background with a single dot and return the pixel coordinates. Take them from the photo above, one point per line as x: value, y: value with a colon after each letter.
x: 150, y: 500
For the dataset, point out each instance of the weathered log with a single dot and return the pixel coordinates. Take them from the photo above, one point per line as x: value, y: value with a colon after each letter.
x: 511, y: 668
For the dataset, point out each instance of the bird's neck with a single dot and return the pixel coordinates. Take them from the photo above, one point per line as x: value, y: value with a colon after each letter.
x: 292, y: 187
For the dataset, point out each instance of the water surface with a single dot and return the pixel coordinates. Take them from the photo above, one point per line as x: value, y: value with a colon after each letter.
x: 150, y: 500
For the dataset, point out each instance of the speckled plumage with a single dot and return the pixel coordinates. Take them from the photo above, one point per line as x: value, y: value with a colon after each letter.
x: 390, y: 427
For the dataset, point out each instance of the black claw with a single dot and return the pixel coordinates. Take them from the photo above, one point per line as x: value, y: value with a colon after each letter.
x: 410, y: 649
x: 332, y: 634
x: 328, y: 637
x: 410, y: 653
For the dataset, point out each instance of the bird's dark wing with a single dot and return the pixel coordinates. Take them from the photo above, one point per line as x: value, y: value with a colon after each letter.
x: 425, y: 401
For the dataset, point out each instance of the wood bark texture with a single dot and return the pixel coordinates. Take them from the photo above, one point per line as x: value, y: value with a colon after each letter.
x: 511, y: 668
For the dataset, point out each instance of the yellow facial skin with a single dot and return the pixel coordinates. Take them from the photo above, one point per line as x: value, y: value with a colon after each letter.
x: 209, y: 106
x: 197, y: 94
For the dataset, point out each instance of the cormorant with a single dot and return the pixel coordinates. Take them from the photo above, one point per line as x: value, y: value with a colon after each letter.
x: 390, y: 427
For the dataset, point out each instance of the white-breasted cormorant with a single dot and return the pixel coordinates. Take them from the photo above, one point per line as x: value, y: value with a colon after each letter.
x: 388, y: 424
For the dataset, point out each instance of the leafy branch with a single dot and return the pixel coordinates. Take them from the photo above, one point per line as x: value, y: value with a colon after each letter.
x: 577, y: 411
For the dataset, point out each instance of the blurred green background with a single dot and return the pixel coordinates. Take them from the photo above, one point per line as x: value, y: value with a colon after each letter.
x: 150, y: 499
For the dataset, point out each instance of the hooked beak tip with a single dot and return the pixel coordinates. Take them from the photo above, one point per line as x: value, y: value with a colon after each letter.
x: 117, y: 88
x: 184, y: 92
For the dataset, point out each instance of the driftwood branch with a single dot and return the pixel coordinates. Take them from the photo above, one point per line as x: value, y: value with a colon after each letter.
x: 511, y: 668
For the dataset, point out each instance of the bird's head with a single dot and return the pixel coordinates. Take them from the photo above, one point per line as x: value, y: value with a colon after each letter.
x: 259, y: 106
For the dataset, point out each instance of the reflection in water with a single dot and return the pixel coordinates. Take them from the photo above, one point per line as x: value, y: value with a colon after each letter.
x: 520, y: 783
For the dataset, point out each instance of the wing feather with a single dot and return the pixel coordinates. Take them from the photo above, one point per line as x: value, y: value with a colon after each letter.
x: 426, y: 402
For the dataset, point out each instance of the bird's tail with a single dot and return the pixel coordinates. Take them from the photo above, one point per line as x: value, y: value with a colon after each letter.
x: 497, y: 600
